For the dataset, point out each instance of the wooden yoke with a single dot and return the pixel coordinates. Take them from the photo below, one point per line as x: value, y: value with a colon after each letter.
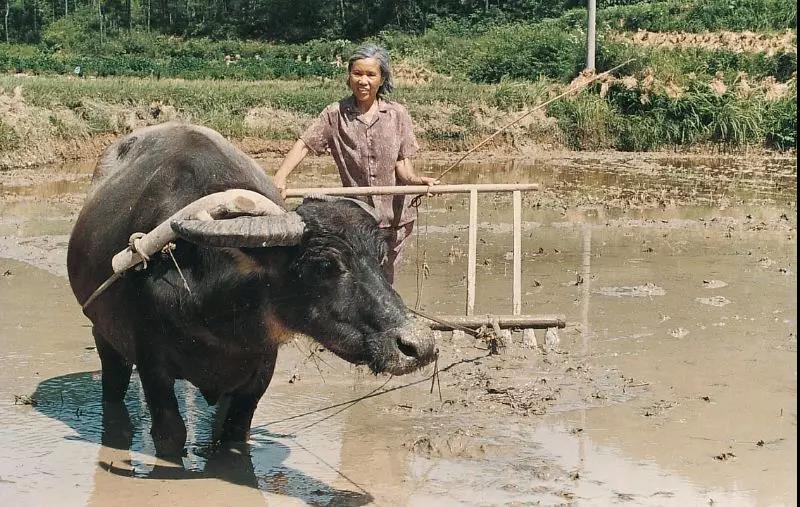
x: 227, y: 204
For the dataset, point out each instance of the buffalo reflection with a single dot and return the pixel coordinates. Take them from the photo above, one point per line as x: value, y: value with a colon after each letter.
x: 128, y: 451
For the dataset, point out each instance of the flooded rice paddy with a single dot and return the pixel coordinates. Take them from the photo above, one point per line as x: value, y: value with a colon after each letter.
x: 674, y: 382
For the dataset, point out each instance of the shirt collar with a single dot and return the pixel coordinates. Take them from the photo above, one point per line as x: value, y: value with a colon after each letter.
x: 351, y: 106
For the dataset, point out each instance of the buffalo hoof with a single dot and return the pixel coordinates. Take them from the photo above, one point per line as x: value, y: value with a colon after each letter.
x: 168, y: 447
x: 169, y: 442
x: 234, y: 434
x: 117, y: 427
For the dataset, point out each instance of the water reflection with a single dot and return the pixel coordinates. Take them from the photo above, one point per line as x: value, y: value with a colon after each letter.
x: 47, y: 189
x: 128, y: 451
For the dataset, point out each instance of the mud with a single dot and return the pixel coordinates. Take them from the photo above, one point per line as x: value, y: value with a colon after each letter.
x: 674, y: 382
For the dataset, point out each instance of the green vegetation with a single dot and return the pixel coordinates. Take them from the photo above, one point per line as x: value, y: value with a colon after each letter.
x: 781, y: 122
x: 187, y: 67
x: 456, y: 42
x: 704, y: 16
x: 481, y: 67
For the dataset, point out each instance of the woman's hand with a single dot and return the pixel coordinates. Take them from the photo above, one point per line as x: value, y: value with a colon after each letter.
x: 293, y: 158
x: 279, y: 180
x: 427, y: 180
x: 404, y: 171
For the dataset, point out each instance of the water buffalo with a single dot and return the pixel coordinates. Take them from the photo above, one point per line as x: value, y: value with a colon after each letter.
x: 215, y: 309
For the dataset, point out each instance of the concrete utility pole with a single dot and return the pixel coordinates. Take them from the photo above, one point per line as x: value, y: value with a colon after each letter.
x: 591, y: 36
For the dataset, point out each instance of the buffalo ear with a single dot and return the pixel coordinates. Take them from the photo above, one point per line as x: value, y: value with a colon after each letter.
x: 329, y: 198
x: 243, y: 232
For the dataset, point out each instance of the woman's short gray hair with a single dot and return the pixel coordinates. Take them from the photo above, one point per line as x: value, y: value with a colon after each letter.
x: 385, y: 63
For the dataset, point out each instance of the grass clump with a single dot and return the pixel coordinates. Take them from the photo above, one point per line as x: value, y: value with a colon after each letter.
x: 585, y: 121
x: 780, y: 130
x: 9, y: 140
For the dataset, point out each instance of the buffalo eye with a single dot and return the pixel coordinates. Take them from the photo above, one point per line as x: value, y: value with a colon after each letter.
x: 327, y: 268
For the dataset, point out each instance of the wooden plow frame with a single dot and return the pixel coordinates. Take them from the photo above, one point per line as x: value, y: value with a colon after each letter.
x: 513, y: 321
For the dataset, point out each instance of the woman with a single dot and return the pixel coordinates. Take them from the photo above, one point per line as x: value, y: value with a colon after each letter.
x: 372, y: 141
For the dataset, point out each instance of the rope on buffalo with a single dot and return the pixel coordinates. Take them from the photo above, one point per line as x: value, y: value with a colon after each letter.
x: 168, y: 249
x: 133, y: 243
x: 422, y: 269
x: 372, y: 394
x: 105, y: 285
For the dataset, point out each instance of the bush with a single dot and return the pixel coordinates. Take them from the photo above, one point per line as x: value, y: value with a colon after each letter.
x: 781, y: 122
x: 585, y: 121
x: 702, y: 16
x: 529, y: 52
x: 515, y: 95
x: 77, y: 32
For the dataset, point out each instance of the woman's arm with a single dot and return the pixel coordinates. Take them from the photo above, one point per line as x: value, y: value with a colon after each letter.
x: 292, y: 160
x: 404, y: 171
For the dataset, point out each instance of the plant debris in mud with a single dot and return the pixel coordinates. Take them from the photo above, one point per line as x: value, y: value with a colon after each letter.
x: 524, y: 401
x: 24, y: 399
x: 714, y: 284
x: 659, y: 408
x: 714, y: 301
x: 460, y: 444
x: 647, y: 290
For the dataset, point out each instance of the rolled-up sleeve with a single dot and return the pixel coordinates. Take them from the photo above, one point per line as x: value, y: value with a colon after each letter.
x: 317, y: 134
x: 408, y: 141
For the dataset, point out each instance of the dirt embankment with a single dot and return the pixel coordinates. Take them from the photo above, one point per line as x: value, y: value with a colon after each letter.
x: 750, y: 42
x: 32, y: 136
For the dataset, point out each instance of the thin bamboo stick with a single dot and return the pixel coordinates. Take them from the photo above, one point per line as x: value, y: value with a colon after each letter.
x: 570, y: 90
x: 516, y: 296
x: 472, y: 250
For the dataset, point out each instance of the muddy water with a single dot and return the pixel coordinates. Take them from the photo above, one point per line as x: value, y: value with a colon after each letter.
x: 674, y: 382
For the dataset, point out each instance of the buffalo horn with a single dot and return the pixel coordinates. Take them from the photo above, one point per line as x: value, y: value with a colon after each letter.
x: 243, y: 232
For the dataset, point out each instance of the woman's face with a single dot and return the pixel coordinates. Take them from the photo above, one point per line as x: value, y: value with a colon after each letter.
x: 365, y: 79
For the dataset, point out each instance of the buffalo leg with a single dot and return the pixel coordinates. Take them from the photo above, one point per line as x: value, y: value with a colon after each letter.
x: 117, y: 427
x: 116, y: 370
x: 168, y: 430
x: 243, y: 402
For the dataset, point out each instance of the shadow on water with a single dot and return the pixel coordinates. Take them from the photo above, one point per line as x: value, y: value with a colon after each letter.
x: 74, y: 400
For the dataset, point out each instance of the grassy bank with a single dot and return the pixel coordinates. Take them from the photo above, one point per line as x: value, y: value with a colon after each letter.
x: 624, y: 114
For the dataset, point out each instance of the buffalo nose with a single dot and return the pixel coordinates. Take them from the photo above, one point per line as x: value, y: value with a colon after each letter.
x: 408, y: 347
x: 413, y: 347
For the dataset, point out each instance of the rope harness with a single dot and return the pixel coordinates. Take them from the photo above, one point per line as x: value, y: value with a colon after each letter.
x: 134, y: 244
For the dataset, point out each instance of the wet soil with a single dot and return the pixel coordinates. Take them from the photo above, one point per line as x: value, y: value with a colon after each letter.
x: 673, y: 383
